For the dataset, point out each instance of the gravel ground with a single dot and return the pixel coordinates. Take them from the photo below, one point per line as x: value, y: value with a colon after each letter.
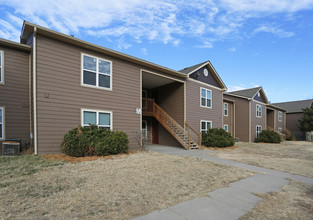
x: 295, y: 201
x: 292, y: 157
x: 121, y: 188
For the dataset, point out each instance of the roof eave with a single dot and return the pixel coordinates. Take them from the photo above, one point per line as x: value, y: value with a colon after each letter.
x: 15, y: 45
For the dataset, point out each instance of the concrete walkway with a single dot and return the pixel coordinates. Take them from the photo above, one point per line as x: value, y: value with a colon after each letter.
x: 224, y: 203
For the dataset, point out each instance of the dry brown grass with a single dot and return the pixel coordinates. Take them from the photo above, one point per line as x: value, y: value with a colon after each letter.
x: 295, y: 201
x: 292, y: 157
x: 119, y: 188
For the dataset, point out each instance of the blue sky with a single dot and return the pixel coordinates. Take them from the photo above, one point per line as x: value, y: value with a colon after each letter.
x: 266, y: 43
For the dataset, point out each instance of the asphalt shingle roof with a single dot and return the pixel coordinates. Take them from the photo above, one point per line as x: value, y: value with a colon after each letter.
x: 295, y: 106
x: 192, y: 68
x: 248, y: 93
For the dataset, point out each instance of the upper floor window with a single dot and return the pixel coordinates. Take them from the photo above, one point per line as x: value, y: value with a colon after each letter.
x: 1, y: 124
x: 258, y: 130
x: 225, y: 109
x: 99, y: 118
x: 258, y: 111
x: 1, y: 66
x: 280, y: 116
x: 96, y: 72
x: 205, y: 125
x: 206, y: 98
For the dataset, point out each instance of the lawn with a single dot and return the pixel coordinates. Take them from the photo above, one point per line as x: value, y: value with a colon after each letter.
x: 32, y: 187
x: 292, y: 157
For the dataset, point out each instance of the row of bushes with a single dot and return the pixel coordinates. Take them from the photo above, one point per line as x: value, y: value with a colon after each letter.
x: 268, y: 136
x: 91, y: 140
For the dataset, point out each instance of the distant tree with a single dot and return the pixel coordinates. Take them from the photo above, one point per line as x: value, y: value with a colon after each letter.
x: 306, y: 122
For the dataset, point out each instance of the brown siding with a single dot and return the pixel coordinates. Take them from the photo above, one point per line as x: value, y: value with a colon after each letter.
x: 292, y: 121
x: 195, y: 113
x: 14, y: 94
x: 241, y: 117
x: 229, y: 120
x: 280, y: 124
x: 60, y: 96
x: 256, y: 120
x: 271, y: 118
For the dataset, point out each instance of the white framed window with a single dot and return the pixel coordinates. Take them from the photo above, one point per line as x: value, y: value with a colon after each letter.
x: 95, y: 117
x: 258, y: 130
x: 205, y: 125
x: 258, y: 111
x: 1, y: 123
x: 96, y: 72
x: 206, y: 98
x: 225, y: 109
x: 226, y: 128
x: 1, y: 68
x: 280, y: 116
x: 280, y: 129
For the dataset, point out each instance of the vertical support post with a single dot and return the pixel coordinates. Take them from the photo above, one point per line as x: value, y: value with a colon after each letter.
x: 189, y: 140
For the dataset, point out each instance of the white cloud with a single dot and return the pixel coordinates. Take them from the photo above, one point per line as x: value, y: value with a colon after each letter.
x: 275, y: 31
x: 232, y: 49
x: 144, y: 51
x: 165, y: 21
x: 235, y: 88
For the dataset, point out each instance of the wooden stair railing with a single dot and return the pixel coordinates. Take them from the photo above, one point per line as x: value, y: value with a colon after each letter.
x: 183, y: 136
x: 194, y: 135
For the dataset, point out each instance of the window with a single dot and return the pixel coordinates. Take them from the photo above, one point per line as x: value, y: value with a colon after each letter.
x: 1, y: 66
x: 205, y: 125
x: 144, y: 128
x: 280, y: 116
x: 258, y: 111
x: 1, y: 123
x: 280, y: 129
x: 99, y: 118
x: 225, y: 109
x: 206, y: 98
x: 258, y: 130
x: 226, y: 128
x: 96, y: 72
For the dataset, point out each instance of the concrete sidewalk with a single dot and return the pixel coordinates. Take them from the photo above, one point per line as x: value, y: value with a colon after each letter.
x: 224, y: 203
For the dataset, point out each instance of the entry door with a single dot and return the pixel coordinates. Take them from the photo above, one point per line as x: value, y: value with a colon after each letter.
x: 155, y: 132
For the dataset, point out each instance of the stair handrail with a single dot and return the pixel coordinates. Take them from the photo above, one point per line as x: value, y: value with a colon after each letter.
x: 193, y: 132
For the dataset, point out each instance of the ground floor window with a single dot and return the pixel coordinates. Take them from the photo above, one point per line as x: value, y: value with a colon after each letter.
x: 258, y: 130
x: 144, y: 128
x: 1, y: 123
x: 205, y: 125
x: 226, y: 128
x: 95, y: 117
x: 280, y: 129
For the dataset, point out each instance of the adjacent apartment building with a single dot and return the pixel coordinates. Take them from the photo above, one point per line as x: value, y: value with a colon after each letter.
x: 247, y: 112
x: 52, y: 82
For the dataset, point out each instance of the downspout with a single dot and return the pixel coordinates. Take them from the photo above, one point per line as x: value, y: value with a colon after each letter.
x: 30, y: 98
x: 35, y: 91
x: 249, y: 120
x: 234, y: 119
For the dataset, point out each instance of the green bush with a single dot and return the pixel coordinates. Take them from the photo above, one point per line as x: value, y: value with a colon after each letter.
x: 289, y: 135
x: 91, y: 140
x: 217, y: 137
x: 268, y: 136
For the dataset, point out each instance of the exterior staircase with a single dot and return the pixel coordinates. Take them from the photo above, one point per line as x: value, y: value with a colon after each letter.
x: 187, y: 137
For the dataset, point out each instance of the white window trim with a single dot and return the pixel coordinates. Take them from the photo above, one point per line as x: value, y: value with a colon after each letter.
x: 206, y: 125
x: 226, y: 127
x: 225, y: 109
x: 97, y: 111
x: 257, y: 129
x: 206, y: 98
x: 280, y: 116
x: 2, y: 64
x: 3, y: 123
x: 97, y: 72
x: 257, y: 111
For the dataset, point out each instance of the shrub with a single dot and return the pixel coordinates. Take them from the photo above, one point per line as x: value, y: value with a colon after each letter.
x: 289, y: 135
x: 268, y: 136
x: 91, y: 140
x: 217, y: 137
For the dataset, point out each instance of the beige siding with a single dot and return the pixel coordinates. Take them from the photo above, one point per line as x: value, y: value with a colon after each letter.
x: 195, y: 113
x: 229, y: 120
x: 280, y: 124
x: 14, y: 94
x: 271, y: 119
x: 60, y: 96
x: 292, y: 121
x: 256, y: 120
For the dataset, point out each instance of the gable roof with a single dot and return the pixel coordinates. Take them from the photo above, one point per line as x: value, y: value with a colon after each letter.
x: 192, y: 69
x: 249, y: 93
x: 28, y: 29
x: 294, y: 106
x: 15, y: 45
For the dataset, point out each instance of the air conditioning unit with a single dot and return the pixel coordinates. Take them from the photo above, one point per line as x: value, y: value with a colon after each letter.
x: 10, y: 148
